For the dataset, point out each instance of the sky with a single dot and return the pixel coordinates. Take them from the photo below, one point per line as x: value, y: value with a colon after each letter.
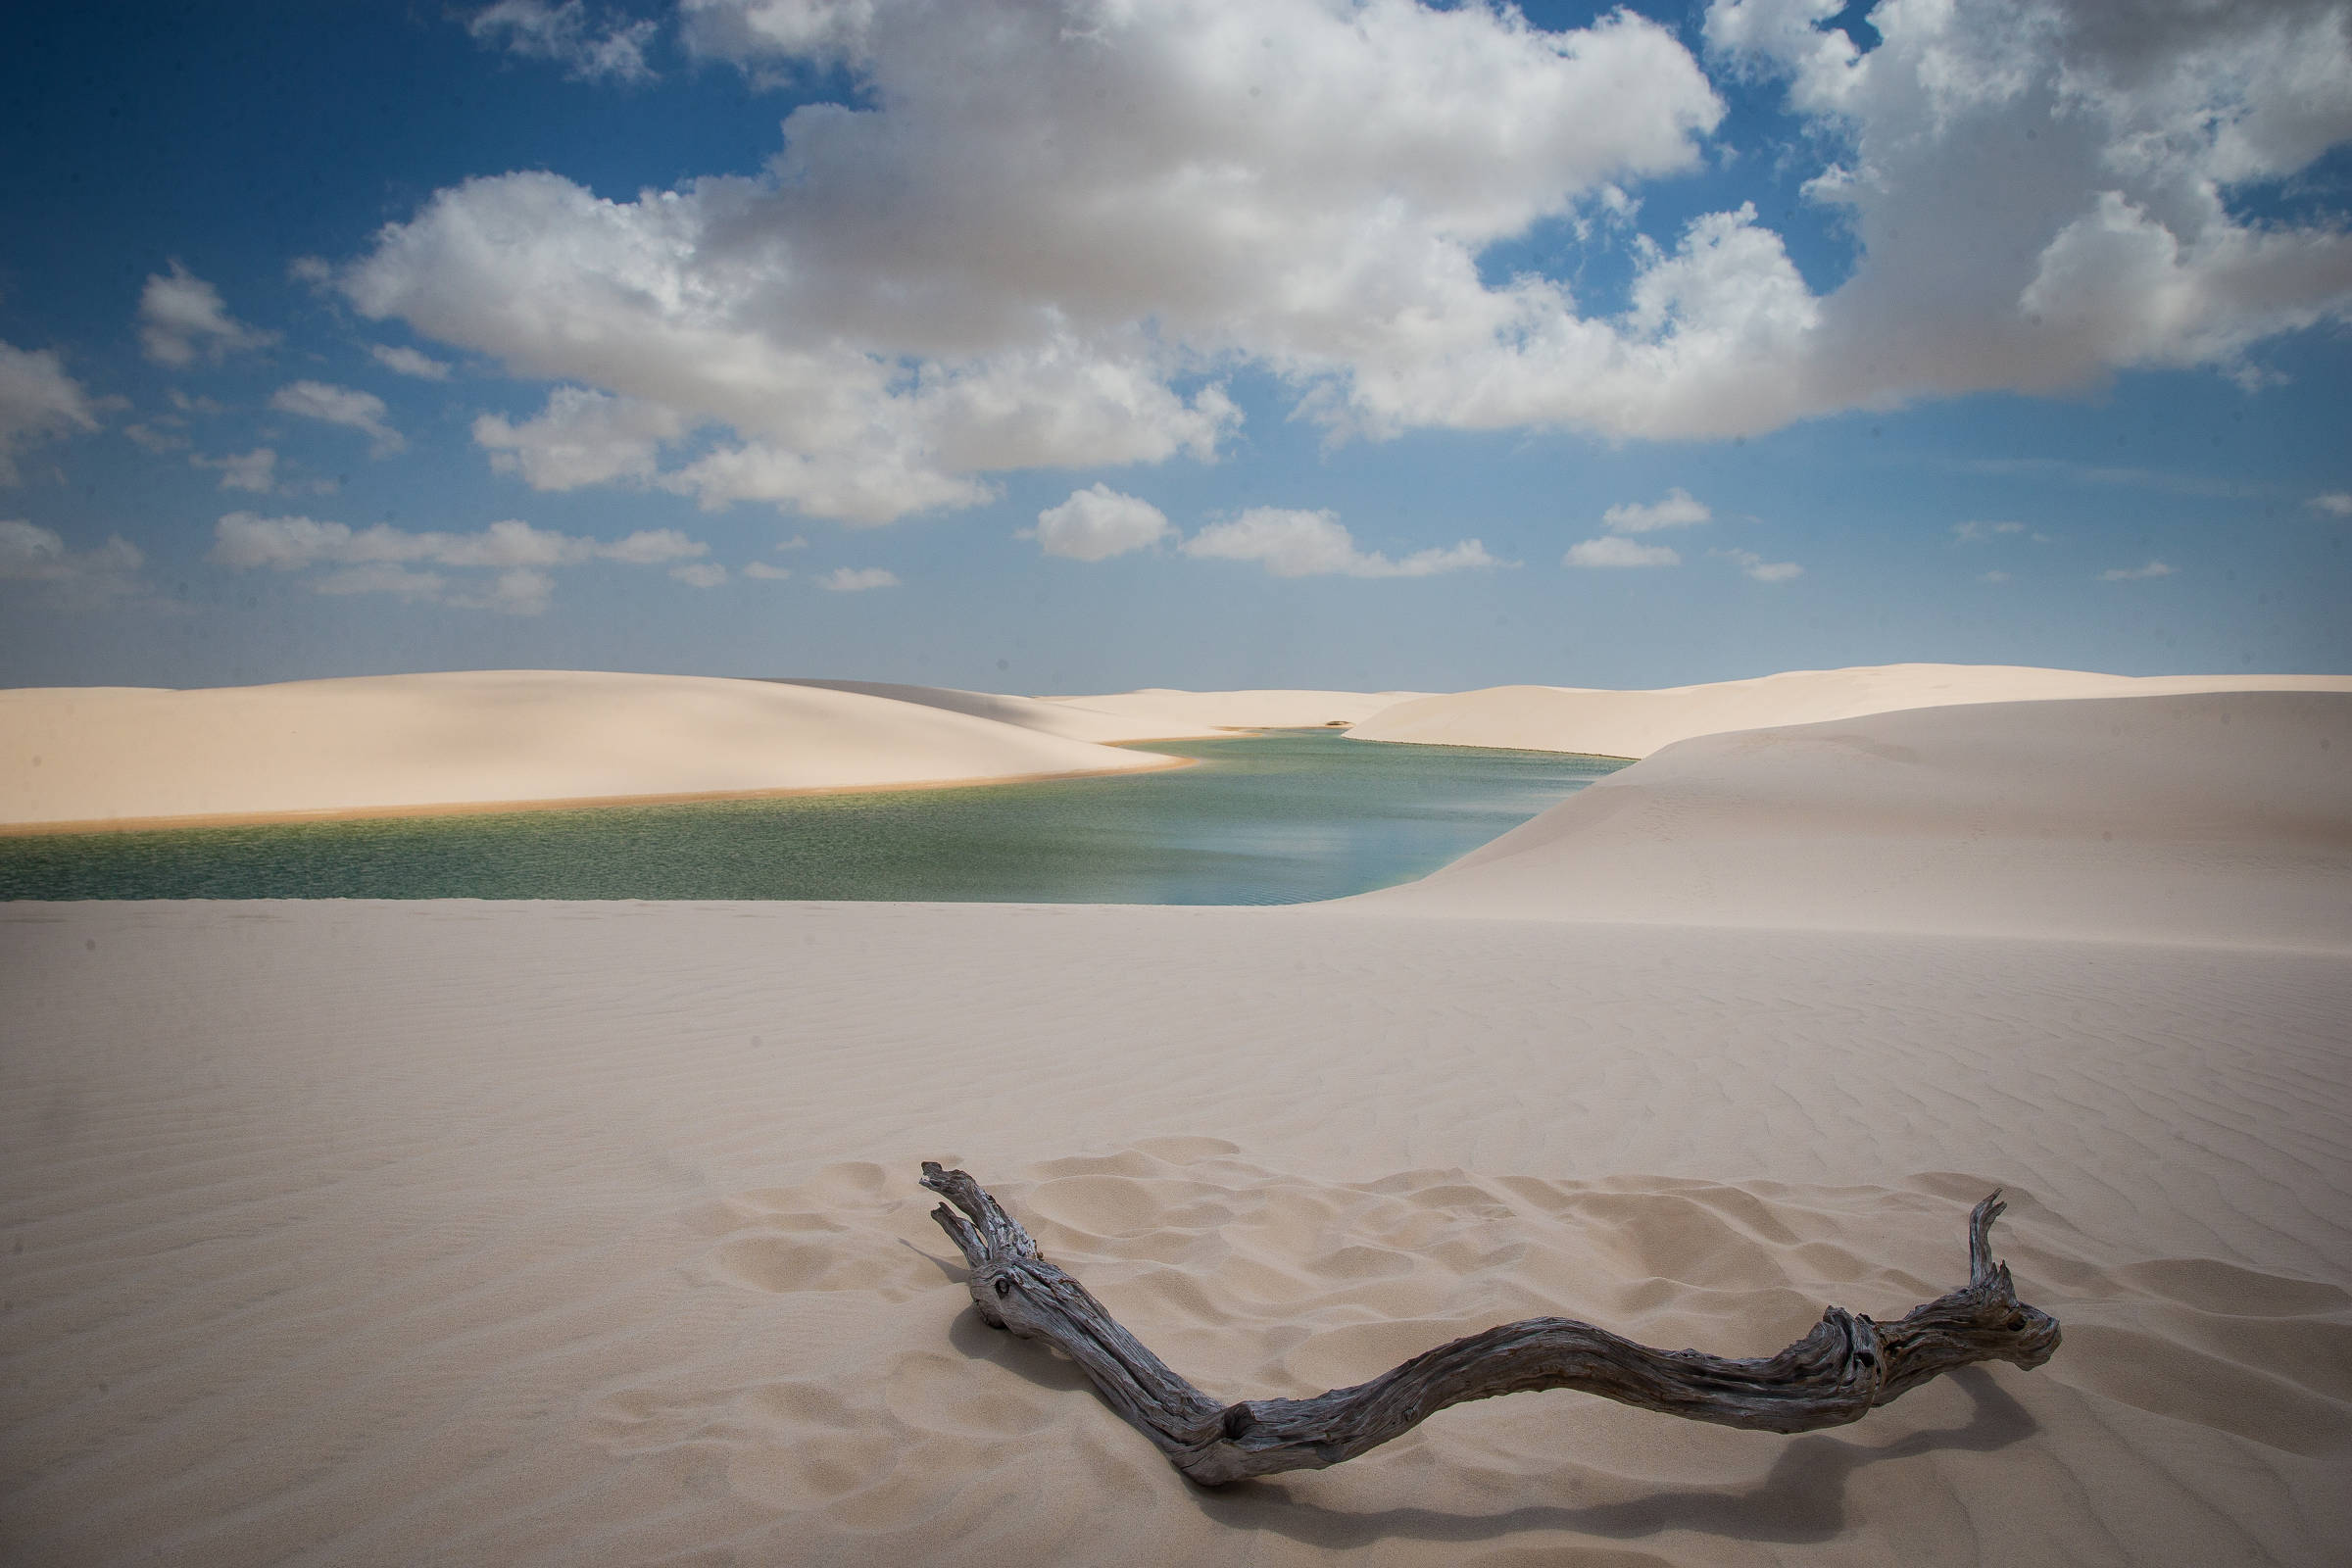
x: 1060, y: 346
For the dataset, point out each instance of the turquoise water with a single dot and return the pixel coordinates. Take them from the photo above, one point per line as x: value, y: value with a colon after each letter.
x: 1283, y: 818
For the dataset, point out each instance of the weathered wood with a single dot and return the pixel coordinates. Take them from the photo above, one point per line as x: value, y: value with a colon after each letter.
x: 1847, y: 1365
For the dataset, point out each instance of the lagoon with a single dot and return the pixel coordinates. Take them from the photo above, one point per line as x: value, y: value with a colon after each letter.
x: 1284, y: 816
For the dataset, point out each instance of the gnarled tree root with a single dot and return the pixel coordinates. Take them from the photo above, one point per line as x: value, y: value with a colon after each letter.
x: 1833, y: 1375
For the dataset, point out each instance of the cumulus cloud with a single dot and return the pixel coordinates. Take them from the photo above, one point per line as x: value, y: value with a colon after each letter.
x: 765, y: 573
x: 1097, y: 523
x: 408, y: 362
x: 846, y: 580
x: 2335, y: 503
x: 2154, y: 568
x: 2042, y: 188
x: 1754, y: 565
x: 701, y: 574
x: 1976, y: 533
x: 590, y: 46
x: 1049, y: 229
x: 581, y: 437
x: 38, y: 402
x: 1613, y: 550
x: 1993, y: 576
x: 182, y: 319
x: 1677, y: 511
x: 1314, y: 544
x: 33, y: 553
x: 363, y: 412
x: 246, y: 540
x: 516, y: 591
x: 381, y: 578
x: 383, y: 559
x: 1042, y: 232
x: 255, y: 470
x: 159, y: 437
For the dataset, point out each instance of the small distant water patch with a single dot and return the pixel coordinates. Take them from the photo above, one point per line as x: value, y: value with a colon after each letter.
x: 1287, y: 816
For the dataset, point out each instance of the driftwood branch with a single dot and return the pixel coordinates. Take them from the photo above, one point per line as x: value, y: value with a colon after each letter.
x: 1847, y: 1365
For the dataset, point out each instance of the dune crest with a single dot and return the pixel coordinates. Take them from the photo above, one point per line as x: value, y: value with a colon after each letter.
x: 1635, y: 723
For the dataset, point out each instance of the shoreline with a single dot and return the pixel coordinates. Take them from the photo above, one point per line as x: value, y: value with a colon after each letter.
x: 94, y: 828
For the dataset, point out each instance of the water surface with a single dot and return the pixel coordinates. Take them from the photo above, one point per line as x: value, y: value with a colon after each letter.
x: 1282, y: 817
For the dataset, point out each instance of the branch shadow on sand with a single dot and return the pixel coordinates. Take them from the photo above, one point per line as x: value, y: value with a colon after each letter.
x: 1802, y: 1500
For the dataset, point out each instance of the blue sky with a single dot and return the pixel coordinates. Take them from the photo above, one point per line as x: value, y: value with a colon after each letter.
x: 1078, y: 346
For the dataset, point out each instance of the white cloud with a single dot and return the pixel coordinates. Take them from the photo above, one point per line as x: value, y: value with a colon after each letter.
x: 1097, y: 523
x: 182, y: 319
x: 590, y: 48
x: 516, y: 591
x: 796, y: 542
x: 1677, y: 511
x: 158, y: 441
x: 765, y: 573
x: 382, y: 559
x: 1314, y: 544
x: 408, y: 362
x: 701, y: 574
x: 243, y: 539
x: 1757, y: 567
x: 2040, y: 187
x: 581, y: 437
x: 843, y: 581
x: 1995, y: 577
x: 2154, y: 568
x: 381, y: 578
x: 2335, y: 503
x: 1613, y: 550
x: 1049, y: 227
x: 255, y: 470
x: 38, y: 402
x: 1041, y: 231
x: 363, y: 412
x: 33, y: 554
x: 1976, y: 533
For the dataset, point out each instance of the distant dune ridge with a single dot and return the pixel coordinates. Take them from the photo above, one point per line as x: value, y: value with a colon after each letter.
x: 1206, y: 712
x: 1635, y: 723
x: 487, y: 737
x: 99, y: 757
x: 515, y: 1234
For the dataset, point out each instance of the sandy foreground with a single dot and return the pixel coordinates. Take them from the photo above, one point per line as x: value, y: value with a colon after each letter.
x: 562, y: 1233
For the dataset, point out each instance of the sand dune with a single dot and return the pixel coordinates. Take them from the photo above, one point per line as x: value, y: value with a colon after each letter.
x: 112, y: 755
x: 1206, y: 712
x: 544, y: 1234
x: 2223, y: 817
x: 589, y: 1232
x: 1065, y: 716
x: 1635, y: 723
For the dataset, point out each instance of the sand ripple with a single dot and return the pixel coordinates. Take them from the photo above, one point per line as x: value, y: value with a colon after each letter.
x: 926, y: 1433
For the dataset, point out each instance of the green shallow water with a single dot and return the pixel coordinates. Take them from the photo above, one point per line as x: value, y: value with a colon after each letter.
x: 1283, y: 818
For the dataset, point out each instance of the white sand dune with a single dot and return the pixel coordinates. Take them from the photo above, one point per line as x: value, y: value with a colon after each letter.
x: 112, y: 754
x: 548, y: 1233
x: 1635, y: 723
x: 545, y: 1234
x: 1065, y: 716
x: 1179, y: 713
x: 2222, y: 818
